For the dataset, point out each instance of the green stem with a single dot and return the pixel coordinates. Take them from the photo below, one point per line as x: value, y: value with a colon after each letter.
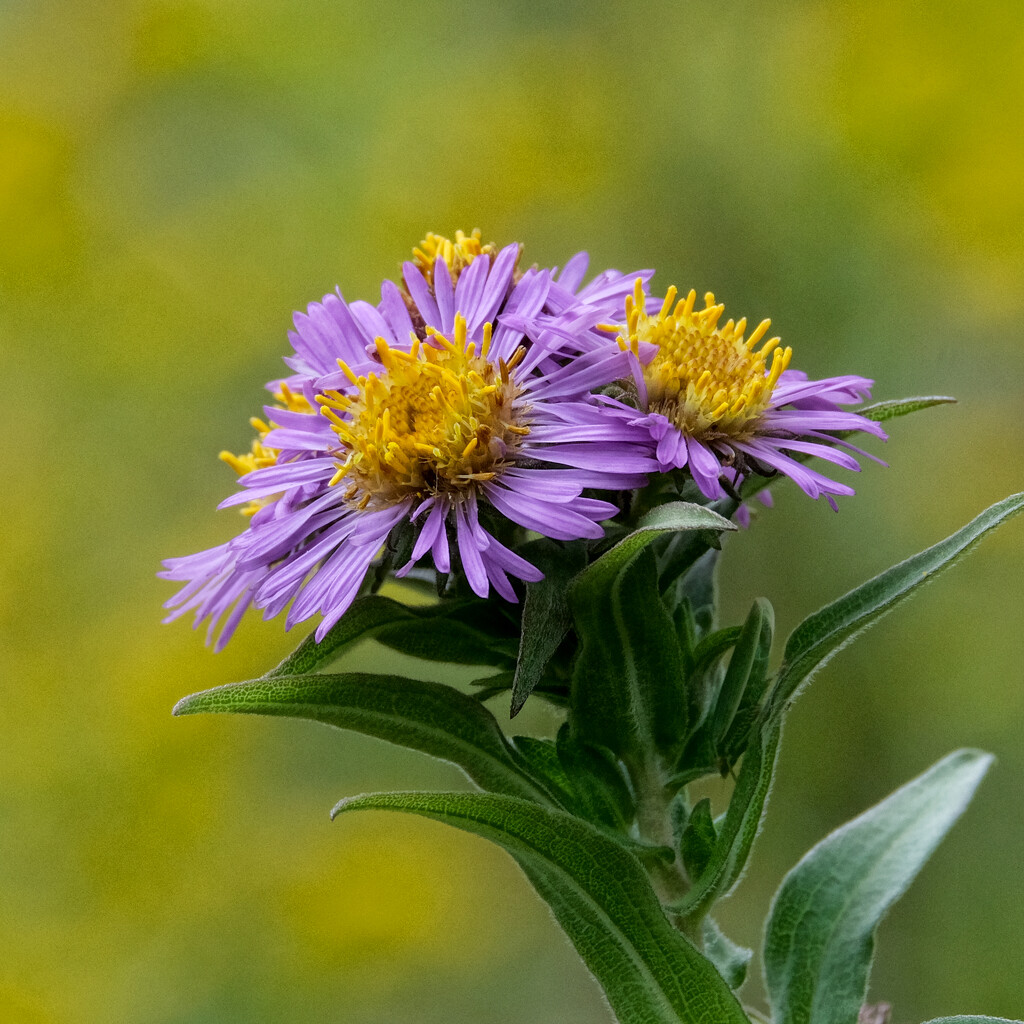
x: 654, y: 826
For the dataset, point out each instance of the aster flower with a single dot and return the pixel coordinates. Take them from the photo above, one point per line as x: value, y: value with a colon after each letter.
x: 724, y: 406
x: 420, y: 412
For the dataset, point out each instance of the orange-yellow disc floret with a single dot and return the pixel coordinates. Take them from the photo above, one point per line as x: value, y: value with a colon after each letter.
x: 457, y: 255
x: 706, y: 379
x: 259, y: 455
x: 439, y: 419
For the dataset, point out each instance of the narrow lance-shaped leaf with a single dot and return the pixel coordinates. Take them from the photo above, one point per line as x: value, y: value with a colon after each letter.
x: 600, y: 896
x: 819, y: 940
x: 821, y: 635
x: 973, y: 1019
x: 547, y: 617
x: 739, y: 828
x: 432, y: 632
x: 430, y: 717
x: 748, y: 665
x: 879, y: 412
x: 628, y: 681
x: 804, y: 654
x: 364, y: 618
x: 894, y: 407
x: 629, y: 673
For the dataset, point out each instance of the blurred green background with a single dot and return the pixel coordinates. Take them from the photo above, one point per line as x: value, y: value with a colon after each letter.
x: 177, y: 177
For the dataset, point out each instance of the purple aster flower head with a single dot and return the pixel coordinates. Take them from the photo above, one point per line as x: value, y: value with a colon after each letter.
x: 417, y: 414
x: 724, y: 406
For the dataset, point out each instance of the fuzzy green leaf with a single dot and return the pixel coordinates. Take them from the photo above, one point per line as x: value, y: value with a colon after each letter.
x: 824, y: 633
x: 432, y: 632
x: 542, y: 762
x: 747, y: 667
x: 819, y: 940
x: 364, y: 618
x: 697, y: 842
x: 429, y: 717
x: 603, y: 795
x: 740, y: 826
x: 600, y: 896
x: 973, y: 1019
x: 547, y: 617
x: 671, y: 518
x: 893, y: 407
x: 732, y: 960
x: 700, y: 586
x: 628, y: 680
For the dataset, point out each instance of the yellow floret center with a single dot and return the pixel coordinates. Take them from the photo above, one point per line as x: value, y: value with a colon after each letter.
x: 457, y: 254
x: 260, y: 456
x: 706, y: 379
x: 439, y: 419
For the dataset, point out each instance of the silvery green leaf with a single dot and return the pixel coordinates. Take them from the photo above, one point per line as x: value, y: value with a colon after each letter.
x: 430, y: 717
x: 826, y: 632
x: 732, y: 960
x: 600, y: 896
x: 819, y: 940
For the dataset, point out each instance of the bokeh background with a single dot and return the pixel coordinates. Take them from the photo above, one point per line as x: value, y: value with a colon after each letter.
x: 177, y: 176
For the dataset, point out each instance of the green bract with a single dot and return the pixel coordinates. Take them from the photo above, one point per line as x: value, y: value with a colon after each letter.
x: 622, y: 636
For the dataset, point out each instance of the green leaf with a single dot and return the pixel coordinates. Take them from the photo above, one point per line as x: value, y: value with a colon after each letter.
x: 972, y: 1019
x: 825, y: 632
x: 731, y: 959
x: 739, y: 828
x: 443, y: 637
x: 602, y: 898
x: 747, y: 667
x: 547, y: 617
x: 432, y: 632
x: 819, y: 940
x: 429, y: 717
x: 893, y: 407
x: 603, y: 795
x: 670, y: 518
x: 628, y: 680
x: 879, y: 412
x: 697, y: 842
x: 363, y: 619
x: 701, y: 587
x: 542, y: 762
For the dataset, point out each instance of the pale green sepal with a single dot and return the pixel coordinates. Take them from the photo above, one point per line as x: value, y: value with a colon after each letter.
x: 824, y: 633
x: 819, y: 940
x: 429, y: 717
x: 732, y: 960
x: 600, y: 896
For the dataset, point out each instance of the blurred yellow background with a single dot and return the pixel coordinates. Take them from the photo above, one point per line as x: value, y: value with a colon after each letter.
x: 177, y: 177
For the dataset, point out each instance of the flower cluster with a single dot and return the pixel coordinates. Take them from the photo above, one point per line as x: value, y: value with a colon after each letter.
x: 478, y: 402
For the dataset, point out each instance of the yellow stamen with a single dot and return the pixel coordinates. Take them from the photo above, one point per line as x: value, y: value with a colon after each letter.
x: 260, y: 456
x: 706, y: 379
x: 438, y: 419
x: 457, y: 255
